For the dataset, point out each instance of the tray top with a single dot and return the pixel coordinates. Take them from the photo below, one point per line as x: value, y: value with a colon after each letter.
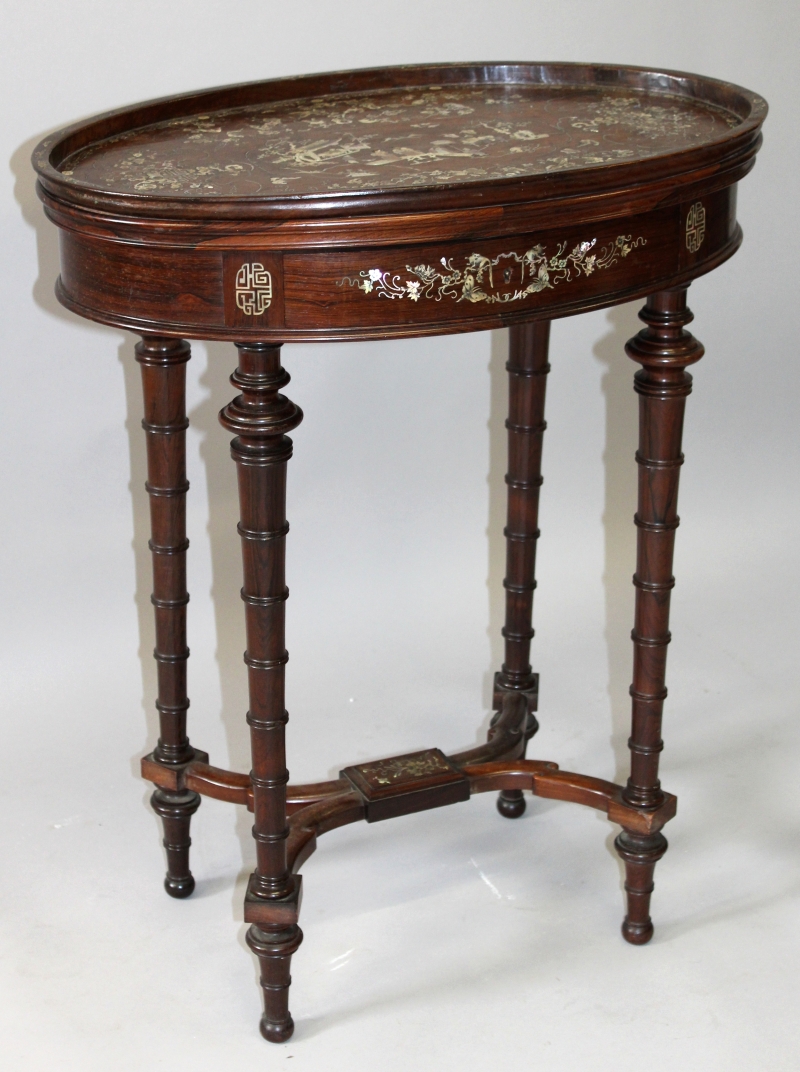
x: 394, y: 130
x: 424, y: 136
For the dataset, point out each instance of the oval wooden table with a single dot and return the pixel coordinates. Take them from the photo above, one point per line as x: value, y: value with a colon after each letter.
x: 406, y: 201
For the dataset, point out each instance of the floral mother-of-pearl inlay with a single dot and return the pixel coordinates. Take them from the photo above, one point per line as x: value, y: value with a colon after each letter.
x: 389, y: 771
x: 430, y: 135
x: 508, y: 277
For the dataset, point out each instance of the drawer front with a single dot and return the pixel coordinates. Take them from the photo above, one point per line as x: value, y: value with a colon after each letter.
x: 395, y: 290
x: 439, y: 283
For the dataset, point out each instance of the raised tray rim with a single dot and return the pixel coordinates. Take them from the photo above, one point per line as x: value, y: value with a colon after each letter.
x: 742, y: 141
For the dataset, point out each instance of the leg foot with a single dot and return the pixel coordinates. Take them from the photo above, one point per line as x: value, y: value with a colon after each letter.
x: 276, y: 1032
x: 511, y: 803
x: 179, y: 887
x: 274, y: 951
x: 640, y: 853
x: 176, y: 811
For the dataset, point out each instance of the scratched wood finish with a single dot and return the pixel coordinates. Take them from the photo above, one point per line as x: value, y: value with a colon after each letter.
x: 376, y: 204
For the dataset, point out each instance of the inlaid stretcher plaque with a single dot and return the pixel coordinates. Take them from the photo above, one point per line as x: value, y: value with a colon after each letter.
x: 405, y: 784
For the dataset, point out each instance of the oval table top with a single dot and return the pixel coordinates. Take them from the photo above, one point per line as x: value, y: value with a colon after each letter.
x: 318, y: 196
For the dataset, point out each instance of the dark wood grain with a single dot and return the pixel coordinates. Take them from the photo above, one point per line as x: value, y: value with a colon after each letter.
x: 540, y: 777
x: 145, y: 284
x: 163, y: 365
x: 664, y: 350
x: 391, y: 203
x: 615, y: 151
x: 404, y: 784
x: 527, y: 379
x: 396, y: 139
x: 746, y: 109
x: 260, y: 417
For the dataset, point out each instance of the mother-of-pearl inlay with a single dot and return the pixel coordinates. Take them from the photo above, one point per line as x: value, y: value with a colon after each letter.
x: 395, y: 138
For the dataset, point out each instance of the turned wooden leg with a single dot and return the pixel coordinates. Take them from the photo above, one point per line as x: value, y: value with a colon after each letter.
x: 260, y: 417
x: 163, y: 363
x: 527, y: 379
x: 663, y: 349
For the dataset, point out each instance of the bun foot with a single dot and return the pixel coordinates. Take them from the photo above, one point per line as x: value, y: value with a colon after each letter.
x: 281, y: 1032
x: 511, y: 803
x: 637, y: 933
x: 179, y: 887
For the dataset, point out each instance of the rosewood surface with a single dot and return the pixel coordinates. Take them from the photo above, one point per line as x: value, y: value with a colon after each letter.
x: 379, y: 204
